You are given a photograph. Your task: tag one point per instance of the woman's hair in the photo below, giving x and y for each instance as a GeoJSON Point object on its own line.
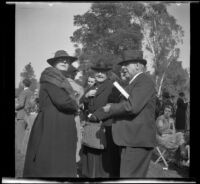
{"type": "Point", "coordinates": [168, 107]}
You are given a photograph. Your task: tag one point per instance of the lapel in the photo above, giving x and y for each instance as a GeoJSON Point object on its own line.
{"type": "Point", "coordinates": [101, 88]}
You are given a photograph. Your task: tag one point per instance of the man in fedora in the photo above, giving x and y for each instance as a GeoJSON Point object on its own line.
{"type": "Point", "coordinates": [100, 163]}
{"type": "Point", "coordinates": [134, 130]}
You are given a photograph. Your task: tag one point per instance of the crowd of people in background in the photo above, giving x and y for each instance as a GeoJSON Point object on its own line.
{"type": "Point", "coordinates": [173, 124]}
{"type": "Point", "coordinates": [50, 121]}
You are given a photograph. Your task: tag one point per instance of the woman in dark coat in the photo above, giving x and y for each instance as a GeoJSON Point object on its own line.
{"type": "Point", "coordinates": [100, 163]}
{"type": "Point", "coordinates": [51, 149]}
{"type": "Point", "coordinates": [181, 113]}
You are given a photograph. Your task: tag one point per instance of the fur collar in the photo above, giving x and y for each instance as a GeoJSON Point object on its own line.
{"type": "Point", "coordinates": [54, 76]}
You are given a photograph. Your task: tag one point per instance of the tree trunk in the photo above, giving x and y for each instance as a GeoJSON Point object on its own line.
{"type": "Point", "coordinates": [157, 81]}
{"type": "Point", "coordinates": [161, 82]}
{"type": "Point", "coordinates": [162, 79]}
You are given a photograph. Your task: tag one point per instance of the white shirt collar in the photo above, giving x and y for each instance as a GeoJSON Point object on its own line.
{"type": "Point", "coordinates": [25, 88]}
{"type": "Point", "coordinates": [134, 77]}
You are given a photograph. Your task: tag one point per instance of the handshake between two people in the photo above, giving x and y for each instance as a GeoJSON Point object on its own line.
{"type": "Point", "coordinates": [93, 118]}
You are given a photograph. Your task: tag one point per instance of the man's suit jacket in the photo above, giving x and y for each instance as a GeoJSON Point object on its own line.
{"type": "Point", "coordinates": [23, 103]}
{"type": "Point", "coordinates": [135, 117]}
{"type": "Point", "coordinates": [103, 96]}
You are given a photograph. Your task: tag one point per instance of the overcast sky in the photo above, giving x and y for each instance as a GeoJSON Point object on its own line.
{"type": "Point", "coordinates": [42, 29]}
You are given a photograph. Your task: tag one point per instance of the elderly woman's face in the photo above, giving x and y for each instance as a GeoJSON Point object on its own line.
{"type": "Point", "coordinates": [100, 76]}
{"type": "Point", "coordinates": [62, 65]}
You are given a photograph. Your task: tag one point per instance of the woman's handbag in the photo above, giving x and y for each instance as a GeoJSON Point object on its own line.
{"type": "Point", "coordinates": [94, 135]}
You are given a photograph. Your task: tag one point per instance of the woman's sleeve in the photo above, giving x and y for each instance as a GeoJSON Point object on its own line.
{"type": "Point", "coordinates": [61, 99]}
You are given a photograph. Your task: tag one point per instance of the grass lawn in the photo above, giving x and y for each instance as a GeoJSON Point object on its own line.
{"type": "Point", "coordinates": [155, 171]}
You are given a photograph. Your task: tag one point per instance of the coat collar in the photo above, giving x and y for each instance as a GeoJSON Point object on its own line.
{"type": "Point", "coordinates": [130, 85]}
{"type": "Point", "coordinates": [134, 77]}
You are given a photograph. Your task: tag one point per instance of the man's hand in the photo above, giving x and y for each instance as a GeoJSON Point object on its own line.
{"type": "Point", "coordinates": [92, 92]}
{"type": "Point", "coordinates": [107, 108]}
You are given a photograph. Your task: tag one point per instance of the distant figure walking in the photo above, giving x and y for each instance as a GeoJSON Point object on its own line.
{"type": "Point", "coordinates": [181, 112]}
{"type": "Point", "coordinates": [21, 108]}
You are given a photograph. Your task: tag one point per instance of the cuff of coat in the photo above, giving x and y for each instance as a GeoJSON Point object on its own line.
{"type": "Point", "coordinates": [117, 108]}
{"type": "Point", "coordinates": [101, 115]}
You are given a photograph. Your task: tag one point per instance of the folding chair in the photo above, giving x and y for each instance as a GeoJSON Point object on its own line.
{"type": "Point", "coordinates": [161, 157]}
{"type": "Point", "coordinates": [162, 154]}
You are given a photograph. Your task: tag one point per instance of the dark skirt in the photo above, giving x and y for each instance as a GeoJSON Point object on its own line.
{"type": "Point", "coordinates": [101, 163]}
{"type": "Point", "coordinates": [180, 120]}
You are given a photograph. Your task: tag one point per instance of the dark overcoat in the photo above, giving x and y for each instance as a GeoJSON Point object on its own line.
{"type": "Point", "coordinates": [181, 115]}
{"type": "Point", "coordinates": [135, 117]}
{"type": "Point", "coordinates": [52, 145]}
{"type": "Point", "coordinates": [134, 130]}
{"type": "Point", "coordinates": [104, 160]}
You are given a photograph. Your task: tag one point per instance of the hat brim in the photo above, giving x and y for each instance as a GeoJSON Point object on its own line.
{"type": "Point", "coordinates": [52, 61]}
{"type": "Point", "coordinates": [126, 62]}
{"type": "Point", "coordinates": [100, 69]}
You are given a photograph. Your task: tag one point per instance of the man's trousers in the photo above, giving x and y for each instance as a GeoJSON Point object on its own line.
{"type": "Point", "coordinates": [135, 162]}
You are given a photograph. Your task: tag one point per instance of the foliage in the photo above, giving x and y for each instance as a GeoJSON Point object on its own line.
{"type": "Point", "coordinates": [27, 73]}
{"type": "Point", "coordinates": [161, 33]}
{"type": "Point", "coordinates": [177, 79]}
{"type": "Point", "coordinates": [105, 29]}
{"type": "Point", "coordinates": [111, 28]}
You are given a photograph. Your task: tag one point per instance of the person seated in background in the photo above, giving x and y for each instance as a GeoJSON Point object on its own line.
{"type": "Point", "coordinates": [166, 133]}
{"type": "Point", "coordinates": [165, 101]}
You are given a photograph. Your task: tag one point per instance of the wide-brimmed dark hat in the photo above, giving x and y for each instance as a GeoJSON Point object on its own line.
{"type": "Point", "coordinates": [101, 66]}
{"type": "Point", "coordinates": [133, 56]}
{"type": "Point", "coordinates": [61, 55]}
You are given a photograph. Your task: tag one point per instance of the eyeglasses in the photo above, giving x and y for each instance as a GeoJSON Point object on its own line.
{"type": "Point", "coordinates": [62, 61]}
